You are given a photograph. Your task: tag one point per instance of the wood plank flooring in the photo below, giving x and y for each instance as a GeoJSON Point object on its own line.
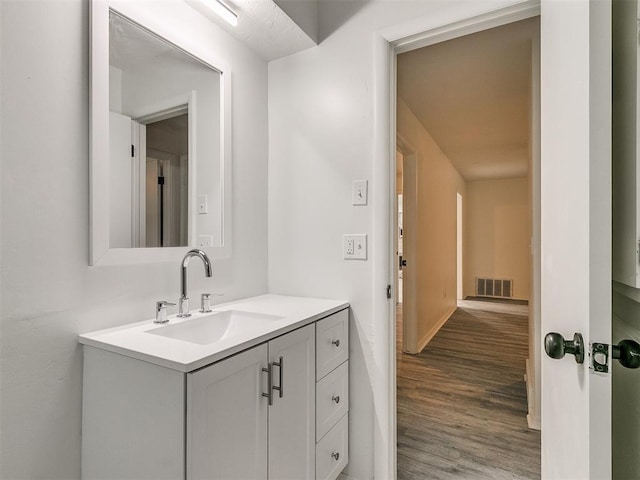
{"type": "Point", "coordinates": [462, 402]}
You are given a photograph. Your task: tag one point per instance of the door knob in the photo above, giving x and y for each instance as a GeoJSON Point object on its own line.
{"type": "Point", "coordinates": [557, 347]}
{"type": "Point", "coordinates": [627, 352]}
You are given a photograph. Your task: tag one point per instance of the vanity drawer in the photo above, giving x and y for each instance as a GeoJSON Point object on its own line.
{"type": "Point", "coordinates": [332, 452]}
{"type": "Point", "coordinates": [332, 399]}
{"type": "Point", "coordinates": [332, 342]}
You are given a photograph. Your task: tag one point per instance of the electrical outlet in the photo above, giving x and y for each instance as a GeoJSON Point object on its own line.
{"type": "Point", "coordinates": [355, 247]}
{"type": "Point", "coordinates": [348, 249]}
{"type": "Point", "coordinates": [205, 240]}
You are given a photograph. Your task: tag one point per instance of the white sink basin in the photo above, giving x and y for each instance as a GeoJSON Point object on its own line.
{"type": "Point", "coordinates": [215, 326]}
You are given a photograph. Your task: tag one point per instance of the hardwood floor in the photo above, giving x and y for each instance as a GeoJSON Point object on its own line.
{"type": "Point", "coordinates": [462, 402]}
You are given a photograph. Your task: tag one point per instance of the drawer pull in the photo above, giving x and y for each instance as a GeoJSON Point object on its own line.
{"type": "Point", "coordinates": [336, 455]}
{"type": "Point", "coordinates": [335, 342]}
{"type": "Point", "coordinates": [269, 372]}
{"type": "Point", "coordinates": [336, 398]}
{"type": "Point", "coordinates": [280, 365]}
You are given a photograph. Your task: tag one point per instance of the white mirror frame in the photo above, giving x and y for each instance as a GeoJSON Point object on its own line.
{"type": "Point", "coordinates": [99, 251]}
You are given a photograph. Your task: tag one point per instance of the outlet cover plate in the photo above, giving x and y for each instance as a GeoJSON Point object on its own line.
{"type": "Point", "coordinates": [354, 246]}
{"type": "Point", "coordinates": [205, 240]}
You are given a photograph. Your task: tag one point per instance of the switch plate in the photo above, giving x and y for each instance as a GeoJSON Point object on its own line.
{"type": "Point", "coordinates": [359, 192]}
{"type": "Point", "coordinates": [355, 246]}
{"type": "Point", "coordinates": [205, 240]}
{"type": "Point", "coordinates": [202, 205]}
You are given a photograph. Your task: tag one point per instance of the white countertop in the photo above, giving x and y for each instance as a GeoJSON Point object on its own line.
{"type": "Point", "coordinates": [133, 340]}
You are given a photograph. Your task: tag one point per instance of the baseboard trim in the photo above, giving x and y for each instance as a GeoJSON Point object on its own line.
{"type": "Point", "coordinates": [435, 329]}
{"type": "Point", "coordinates": [533, 418]}
{"type": "Point", "coordinates": [533, 423]}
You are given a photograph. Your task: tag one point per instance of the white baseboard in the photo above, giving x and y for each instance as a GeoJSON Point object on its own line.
{"type": "Point", "coordinates": [533, 417]}
{"type": "Point", "coordinates": [432, 333]}
{"type": "Point", "coordinates": [533, 423]}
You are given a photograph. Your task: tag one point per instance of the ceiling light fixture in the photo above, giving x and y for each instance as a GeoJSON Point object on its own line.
{"type": "Point", "coordinates": [223, 11]}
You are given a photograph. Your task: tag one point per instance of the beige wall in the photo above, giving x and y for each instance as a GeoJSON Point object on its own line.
{"type": "Point", "coordinates": [433, 259]}
{"type": "Point", "coordinates": [497, 232]}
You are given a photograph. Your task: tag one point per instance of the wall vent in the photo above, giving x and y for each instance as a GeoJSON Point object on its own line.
{"type": "Point", "coordinates": [494, 287]}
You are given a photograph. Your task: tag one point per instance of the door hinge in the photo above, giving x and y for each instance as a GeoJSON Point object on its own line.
{"type": "Point", "coordinates": [388, 291]}
{"type": "Point", "coordinates": [133, 151]}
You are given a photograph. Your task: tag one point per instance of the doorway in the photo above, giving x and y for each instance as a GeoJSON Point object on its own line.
{"type": "Point", "coordinates": [474, 195]}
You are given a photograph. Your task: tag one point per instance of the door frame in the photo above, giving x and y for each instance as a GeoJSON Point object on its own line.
{"type": "Point", "coordinates": [396, 41]}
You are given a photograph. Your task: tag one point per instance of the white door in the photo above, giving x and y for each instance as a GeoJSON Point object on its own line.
{"type": "Point", "coordinates": [409, 254]}
{"type": "Point", "coordinates": [120, 170]}
{"type": "Point", "coordinates": [576, 229]}
{"type": "Point", "coordinates": [292, 414]}
{"type": "Point", "coordinates": [227, 419]}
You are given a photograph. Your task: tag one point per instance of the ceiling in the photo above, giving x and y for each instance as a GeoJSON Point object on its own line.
{"type": "Point", "coordinates": [264, 26]}
{"type": "Point", "coordinates": [472, 94]}
{"type": "Point", "coordinates": [132, 47]}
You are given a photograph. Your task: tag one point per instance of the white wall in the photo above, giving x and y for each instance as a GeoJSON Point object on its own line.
{"type": "Point", "coordinates": [626, 388]}
{"type": "Point", "coordinates": [497, 234]}
{"type": "Point", "coordinates": [328, 111]}
{"type": "Point", "coordinates": [49, 292]}
{"type": "Point", "coordinates": [435, 253]}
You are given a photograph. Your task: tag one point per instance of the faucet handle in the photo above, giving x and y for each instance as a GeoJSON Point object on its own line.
{"type": "Point", "coordinates": [205, 303]}
{"type": "Point", "coordinates": [161, 311]}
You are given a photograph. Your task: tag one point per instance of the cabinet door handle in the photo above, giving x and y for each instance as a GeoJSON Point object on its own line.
{"type": "Point", "coordinates": [336, 398]}
{"type": "Point", "coordinates": [280, 387]}
{"type": "Point", "coordinates": [269, 372]}
{"type": "Point", "coordinates": [335, 342]}
{"type": "Point", "coordinates": [336, 455]}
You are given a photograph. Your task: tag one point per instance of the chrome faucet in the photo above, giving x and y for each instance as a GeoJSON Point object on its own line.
{"type": "Point", "coordinates": [183, 302]}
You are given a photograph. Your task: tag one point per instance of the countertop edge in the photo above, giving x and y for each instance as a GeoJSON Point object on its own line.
{"type": "Point", "coordinates": [217, 356]}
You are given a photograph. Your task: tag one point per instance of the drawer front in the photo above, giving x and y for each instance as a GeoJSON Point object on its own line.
{"type": "Point", "coordinates": [332, 399]}
{"type": "Point", "coordinates": [332, 452]}
{"type": "Point", "coordinates": [332, 342]}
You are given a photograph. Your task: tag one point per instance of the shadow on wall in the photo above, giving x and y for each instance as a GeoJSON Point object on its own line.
{"type": "Point", "coordinates": [361, 409]}
{"type": "Point", "coordinates": [332, 14]}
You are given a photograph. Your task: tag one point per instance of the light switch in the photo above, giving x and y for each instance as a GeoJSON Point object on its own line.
{"type": "Point", "coordinates": [202, 204]}
{"type": "Point", "coordinates": [359, 192]}
{"type": "Point", "coordinates": [355, 246]}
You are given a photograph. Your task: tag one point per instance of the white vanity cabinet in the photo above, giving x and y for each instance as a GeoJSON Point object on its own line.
{"type": "Point", "coordinates": [227, 418]}
{"type": "Point", "coordinates": [230, 422]}
{"type": "Point", "coordinates": [144, 418]}
{"type": "Point", "coordinates": [332, 395]}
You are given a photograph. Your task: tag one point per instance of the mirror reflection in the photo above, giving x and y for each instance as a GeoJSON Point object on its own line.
{"type": "Point", "coordinates": [164, 139]}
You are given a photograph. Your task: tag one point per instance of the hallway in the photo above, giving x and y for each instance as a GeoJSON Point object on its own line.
{"type": "Point", "coordinates": [462, 402]}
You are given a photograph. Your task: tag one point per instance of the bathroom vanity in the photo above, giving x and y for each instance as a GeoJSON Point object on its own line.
{"type": "Point", "coordinates": [255, 389]}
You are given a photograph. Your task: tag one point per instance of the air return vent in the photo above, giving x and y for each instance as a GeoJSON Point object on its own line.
{"type": "Point", "coordinates": [494, 287]}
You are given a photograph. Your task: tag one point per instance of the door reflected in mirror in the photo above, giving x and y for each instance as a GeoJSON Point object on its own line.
{"type": "Point", "coordinates": [164, 143]}
{"type": "Point", "coordinates": [167, 182]}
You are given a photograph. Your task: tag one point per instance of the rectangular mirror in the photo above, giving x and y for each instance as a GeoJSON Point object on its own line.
{"type": "Point", "coordinates": [160, 141]}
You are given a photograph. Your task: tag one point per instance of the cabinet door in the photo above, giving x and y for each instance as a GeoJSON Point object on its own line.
{"type": "Point", "coordinates": [292, 415]}
{"type": "Point", "coordinates": [227, 418]}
